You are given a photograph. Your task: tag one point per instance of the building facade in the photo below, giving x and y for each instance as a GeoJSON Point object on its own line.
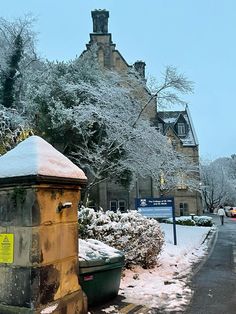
{"type": "Point", "coordinates": [178, 127]}
{"type": "Point", "coordinates": [110, 195]}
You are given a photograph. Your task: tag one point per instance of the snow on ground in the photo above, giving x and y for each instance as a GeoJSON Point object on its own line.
{"type": "Point", "coordinates": [166, 286]}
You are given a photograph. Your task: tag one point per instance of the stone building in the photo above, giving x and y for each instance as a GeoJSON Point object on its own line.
{"type": "Point", "coordinates": [178, 127]}
{"type": "Point", "coordinates": [110, 195]}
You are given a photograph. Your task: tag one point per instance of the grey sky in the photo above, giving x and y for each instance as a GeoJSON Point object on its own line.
{"type": "Point", "coordinates": [196, 36]}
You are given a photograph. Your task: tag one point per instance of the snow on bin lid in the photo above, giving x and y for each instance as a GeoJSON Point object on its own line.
{"type": "Point", "coordinates": [93, 253]}
{"type": "Point", "coordinates": [35, 156]}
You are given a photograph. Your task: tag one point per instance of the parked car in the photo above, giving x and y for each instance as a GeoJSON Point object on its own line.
{"type": "Point", "coordinates": [227, 211]}
{"type": "Point", "coordinates": [233, 212]}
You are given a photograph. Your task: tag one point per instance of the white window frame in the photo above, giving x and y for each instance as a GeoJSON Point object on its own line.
{"type": "Point", "coordinates": [184, 207]}
{"type": "Point", "coordinates": [181, 128]}
{"type": "Point", "coordinates": [124, 205]}
{"type": "Point", "coordinates": [111, 206]}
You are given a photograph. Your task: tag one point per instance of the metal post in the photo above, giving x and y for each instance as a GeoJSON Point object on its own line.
{"type": "Point", "coordinates": [174, 224]}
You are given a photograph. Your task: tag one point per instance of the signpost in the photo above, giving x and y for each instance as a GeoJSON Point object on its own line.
{"type": "Point", "coordinates": [162, 207]}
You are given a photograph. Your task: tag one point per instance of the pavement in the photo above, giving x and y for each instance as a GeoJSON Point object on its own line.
{"type": "Point", "coordinates": [209, 279]}
{"type": "Point", "coordinates": [117, 305]}
{"type": "Point", "coordinates": [214, 284]}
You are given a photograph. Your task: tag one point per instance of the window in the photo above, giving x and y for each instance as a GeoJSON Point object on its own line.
{"type": "Point", "coordinates": [118, 205]}
{"type": "Point", "coordinates": [121, 205]}
{"type": "Point", "coordinates": [181, 129]}
{"type": "Point", "coordinates": [183, 209]}
{"type": "Point", "coordinates": [113, 206]}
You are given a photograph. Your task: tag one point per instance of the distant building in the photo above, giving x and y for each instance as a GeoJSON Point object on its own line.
{"type": "Point", "coordinates": [178, 127]}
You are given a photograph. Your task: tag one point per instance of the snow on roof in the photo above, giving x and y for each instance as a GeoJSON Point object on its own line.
{"type": "Point", "coordinates": [169, 120]}
{"type": "Point", "coordinates": [35, 156]}
{"type": "Point", "coordinates": [171, 117]}
{"type": "Point", "coordinates": [192, 126]}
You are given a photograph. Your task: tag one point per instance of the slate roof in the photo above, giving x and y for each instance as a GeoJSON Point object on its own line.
{"type": "Point", "coordinates": [170, 118]}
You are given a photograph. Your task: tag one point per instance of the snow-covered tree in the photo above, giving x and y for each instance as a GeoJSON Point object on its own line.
{"type": "Point", "coordinates": [16, 55]}
{"type": "Point", "coordinates": [170, 88]}
{"type": "Point", "coordinates": [17, 60]}
{"type": "Point", "coordinates": [218, 182]}
{"type": "Point", "coordinates": [93, 116]}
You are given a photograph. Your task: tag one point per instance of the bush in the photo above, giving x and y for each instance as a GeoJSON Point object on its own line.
{"type": "Point", "coordinates": [203, 221]}
{"type": "Point", "coordinates": [183, 220]}
{"type": "Point", "coordinates": [139, 238]}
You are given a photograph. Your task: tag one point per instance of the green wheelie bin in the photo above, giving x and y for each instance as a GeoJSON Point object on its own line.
{"type": "Point", "coordinates": [100, 269]}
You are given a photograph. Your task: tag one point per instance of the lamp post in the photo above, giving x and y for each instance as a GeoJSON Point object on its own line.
{"type": "Point", "coordinates": [203, 189]}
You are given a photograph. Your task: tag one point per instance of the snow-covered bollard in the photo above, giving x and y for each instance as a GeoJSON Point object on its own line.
{"type": "Point", "coordinates": [39, 193]}
{"type": "Point", "coordinates": [192, 216]}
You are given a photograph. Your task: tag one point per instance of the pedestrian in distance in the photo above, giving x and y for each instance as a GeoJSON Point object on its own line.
{"type": "Point", "coordinates": [221, 214]}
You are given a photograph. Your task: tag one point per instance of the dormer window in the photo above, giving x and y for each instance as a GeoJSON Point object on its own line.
{"type": "Point", "coordinates": [181, 129]}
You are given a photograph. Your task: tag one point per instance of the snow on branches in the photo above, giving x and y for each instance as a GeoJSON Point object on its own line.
{"type": "Point", "coordinates": [93, 116]}
{"type": "Point", "coordinates": [218, 182]}
{"type": "Point", "coordinates": [11, 128]}
{"type": "Point", "coordinates": [16, 55]}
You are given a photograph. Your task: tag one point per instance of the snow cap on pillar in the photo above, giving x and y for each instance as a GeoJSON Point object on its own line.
{"type": "Point", "coordinates": [36, 158]}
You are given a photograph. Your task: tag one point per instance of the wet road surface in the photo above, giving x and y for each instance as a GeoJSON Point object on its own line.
{"type": "Point", "coordinates": [214, 284]}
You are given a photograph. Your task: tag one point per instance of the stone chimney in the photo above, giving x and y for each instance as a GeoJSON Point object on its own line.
{"type": "Point", "coordinates": [140, 68]}
{"type": "Point", "coordinates": [100, 21]}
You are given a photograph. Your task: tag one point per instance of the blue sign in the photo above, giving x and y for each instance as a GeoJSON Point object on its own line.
{"type": "Point", "coordinates": [162, 207]}
{"type": "Point", "coordinates": [155, 207]}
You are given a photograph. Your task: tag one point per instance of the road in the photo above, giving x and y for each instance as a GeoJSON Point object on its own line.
{"type": "Point", "coordinates": [214, 284]}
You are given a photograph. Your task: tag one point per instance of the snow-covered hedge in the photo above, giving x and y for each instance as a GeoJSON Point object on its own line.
{"type": "Point", "coordinates": [204, 221]}
{"type": "Point", "coordinates": [183, 220]}
{"type": "Point", "coordinates": [139, 238]}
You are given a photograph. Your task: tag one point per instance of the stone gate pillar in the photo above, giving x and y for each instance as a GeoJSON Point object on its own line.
{"type": "Point", "coordinates": [39, 193]}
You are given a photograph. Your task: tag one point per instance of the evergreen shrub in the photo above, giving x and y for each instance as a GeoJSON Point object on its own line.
{"type": "Point", "coordinates": [138, 237]}
{"type": "Point", "coordinates": [203, 221]}
{"type": "Point", "coordinates": [183, 220]}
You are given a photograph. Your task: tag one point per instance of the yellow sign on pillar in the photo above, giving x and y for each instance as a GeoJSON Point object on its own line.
{"type": "Point", "coordinates": [6, 247]}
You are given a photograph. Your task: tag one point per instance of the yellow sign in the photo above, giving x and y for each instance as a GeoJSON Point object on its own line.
{"type": "Point", "coordinates": [6, 247]}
